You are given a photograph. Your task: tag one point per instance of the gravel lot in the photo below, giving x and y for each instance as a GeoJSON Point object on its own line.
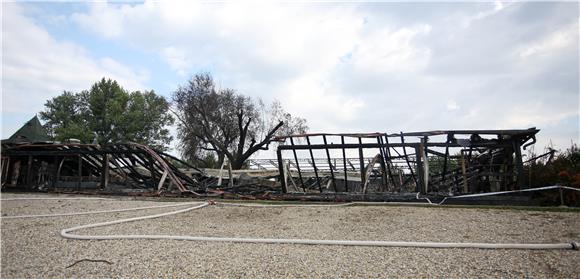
{"type": "Point", "coordinates": [32, 247]}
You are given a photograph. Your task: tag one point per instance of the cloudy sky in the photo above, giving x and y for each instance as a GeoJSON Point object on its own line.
{"type": "Point", "coordinates": [345, 67]}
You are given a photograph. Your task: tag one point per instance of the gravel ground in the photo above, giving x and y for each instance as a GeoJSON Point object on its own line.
{"type": "Point", "coordinates": [32, 248]}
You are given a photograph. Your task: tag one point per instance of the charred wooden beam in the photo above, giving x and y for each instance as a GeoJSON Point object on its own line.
{"type": "Point", "coordinates": [344, 164]}
{"type": "Point", "coordinates": [297, 166]}
{"type": "Point", "coordinates": [361, 160]}
{"type": "Point", "coordinates": [330, 164]}
{"type": "Point", "coordinates": [313, 164]}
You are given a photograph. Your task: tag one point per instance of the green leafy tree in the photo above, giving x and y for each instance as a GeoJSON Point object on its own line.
{"type": "Point", "coordinates": [108, 113]}
{"type": "Point", "coordinates": [64, 119]}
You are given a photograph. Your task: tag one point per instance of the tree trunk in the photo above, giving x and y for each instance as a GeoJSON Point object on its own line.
{"type": "Point", "coordinates": [237, 164]}
{"type": "Point", "coordinates": [221, 158]}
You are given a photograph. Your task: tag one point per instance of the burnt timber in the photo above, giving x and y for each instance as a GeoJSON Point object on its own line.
{"type": "Point", "coordinates": [433, 162]}
{"type": "Point", "coordinates": [119, 167]}
{"type": "Point", "coordinates": [371, 166]}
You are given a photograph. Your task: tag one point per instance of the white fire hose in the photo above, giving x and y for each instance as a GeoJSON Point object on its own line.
{"type": "Point", "coordinates": [498, 193]}
{"type": "Point", "coordinates": [67, 233]}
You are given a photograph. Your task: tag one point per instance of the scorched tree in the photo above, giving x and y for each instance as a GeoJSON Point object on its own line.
{"type": "Point", "coordinates": [214, 124]}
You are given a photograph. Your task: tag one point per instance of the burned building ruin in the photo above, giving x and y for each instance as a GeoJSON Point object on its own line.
{"type": "Point", "coordinates": [438, 162]}
{"type": "Point", "coordinates": [31, 162]}
{"type": "Point", "coordinates": [442, 163]}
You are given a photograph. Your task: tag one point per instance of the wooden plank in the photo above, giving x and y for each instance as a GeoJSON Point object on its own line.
{"type": "Point", "coordinates": [329, 164]}
{"type": "Point", "coordinates": [313, 165]}
{"type": "Point", "coordinates": [361, 161]}
{"type": "Point", "coordinates": [384, 145]}
{"type": "Point", "coordinates": [162, 180]}
{"type": "Point", "coordinates": [344, 165]}
{"type": "Point", "coordinates": [407, 159]}
{"type": "Point", "coordinates": [419, 182]}
{"type": "Point", "coordinates": [464, 173]}
{"type": "Point", "coordinates": [281, 171]}
{"type": "Point", "coordinates": [298, 166]}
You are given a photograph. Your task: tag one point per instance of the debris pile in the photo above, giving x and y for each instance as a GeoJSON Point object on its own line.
{"type": "Point", "coordinates": [443, 163]}
{"type": "Point", "coordinates": [438, 162]}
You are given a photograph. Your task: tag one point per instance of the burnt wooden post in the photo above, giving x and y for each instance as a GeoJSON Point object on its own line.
{"type": "Point", "coordinates": [386, 169]}
{"type": "Point", "coordinates": [507, 169]}
{"type": "Point", "coordinates": [425, 158]}
{"type": "Point", "coordinates": [387, 158]}
{"type": "Point", "coordinates": [314, 164]}
{"type": "Point", "coordinates": [80, 170]}
{"type": "Point", "coordinates": [490, 187]}
{"type": "Point", "coordinates": [362, 162]}
{"type": "Point", "coordinates": [519, 165]}
{"type": "Point", "coordinates": [420, 172]}
{"type": "Point", "coordinates": [281, 170]}
{"type": "Point", "coordinates": [444, 172]}
{"type": "Point", "coordinates": [471, 172]}
{"type": "Point", "coordinates": [29, 173]}
{"type": "Point", "coordinates": [344, 164]}
{"type": "Point", "coordinates": [464, 173]}
{"type": "Point", "coordinates": [384, 178]}
{"type": "Point", "coordinates": [329, 163]}
{"type": "Point", "coordinates": [408, 163]}
{"type": "Point", "coordinates": [297, 165]}
{"type": "Point", "coordinates": [105, 171]}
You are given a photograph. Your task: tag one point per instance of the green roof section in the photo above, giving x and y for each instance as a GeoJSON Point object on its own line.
{"type": "Point", "coordinates": [32, 131]}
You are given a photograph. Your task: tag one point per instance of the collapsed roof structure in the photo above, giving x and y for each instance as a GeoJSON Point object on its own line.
{"type": "Point", "coordinates": [30, 161]}
{"type": "Point", "coordinates": [443, 162]}
{"type": "Point", "coordinates": [434, 162]}
{"type": "Point", "coordinates": [117, 167]}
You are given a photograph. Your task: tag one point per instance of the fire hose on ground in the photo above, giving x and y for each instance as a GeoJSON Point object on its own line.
{"type": "Point", "coordinates": [68, 233]}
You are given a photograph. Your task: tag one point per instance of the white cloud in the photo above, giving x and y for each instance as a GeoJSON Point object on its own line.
{"type": "Point", "coordinates": [292, 48]}
{"type": "Point", "coordinates": [498, 6]}
{"type": "Point", "coordinates": [370, 66]}
{"type": "Point", "coordinates": [527, 115]}
{"type": "Point", "coordinates": [452, 105]}
{"type": "Point", "coordinates": [326, 108]}
{"type": "Point", "coordinates": [176, 58]}
{"type": "Point", "coordinates": [391, 52]}
{"type": "Point", "coordinates": [566, 36]}
{"type": "Point", "coordinates": [109, 23]}
{"type": "Point", "coordinates": [36, 67]}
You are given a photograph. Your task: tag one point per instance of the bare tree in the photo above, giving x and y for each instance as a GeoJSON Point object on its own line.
{"type": "Point", "coordinates": [221, 122]}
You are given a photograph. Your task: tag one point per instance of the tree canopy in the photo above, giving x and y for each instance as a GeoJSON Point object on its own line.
{"type": "Point", "coordinates": [109, 113]}
{"type": "Point", "coordinates": [222, 123]}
